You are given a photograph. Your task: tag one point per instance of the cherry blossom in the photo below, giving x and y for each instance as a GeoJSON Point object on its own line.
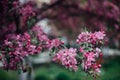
{"type": "Point", "coordinates": [66, 57]}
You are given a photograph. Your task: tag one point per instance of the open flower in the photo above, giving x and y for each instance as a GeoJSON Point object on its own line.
{"type": "Point", "coordinates": [67, 58]}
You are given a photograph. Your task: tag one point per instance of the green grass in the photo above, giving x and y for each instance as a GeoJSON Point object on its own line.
{"type": "Point", "coordinates": [110, 71]}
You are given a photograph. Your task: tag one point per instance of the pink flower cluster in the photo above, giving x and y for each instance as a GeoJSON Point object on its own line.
{"type": "Point", "coordinates": [27, 12]}
{"type": "Point", "coordinates": [90, 37]}
{"type": "Point", "coordinates": [90, 50]}
{"type": "Point", "coordinates": [17, 47]}
{"type": "Point", "coordinates": [41, 36]}
{"type": "Point", "coordinates": [14, 50]}
{"type": "Point", "coordinates": [96, 67]}
{"type": "Point", "coordinates": [54, 43]}
{"type": "Point", "coordinates": [89, 62]}
{"type": "Point", "coordinates": [67, 57]}
{"type": "Point", "coordinates": [39, 33]}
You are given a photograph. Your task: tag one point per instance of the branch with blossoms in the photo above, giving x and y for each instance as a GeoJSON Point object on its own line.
{"type": "Point", "coordinates": [17, 48]}
{"type": "Point", "coordinates": [21, 38]}
{"type": "Point", "coordinates": [86, 55]}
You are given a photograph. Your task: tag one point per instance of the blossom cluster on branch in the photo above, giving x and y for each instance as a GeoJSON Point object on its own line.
{"type": "Point", "coordinates": [16, 48]}
{"type": "Point", "coordinates": [90, 49]}
{"type": "Point", "coordinates": [86, 54]}
{"type": "Point", "coordinates": [67, 57]}
{"type": "Point", "coordinates": [20, 37]}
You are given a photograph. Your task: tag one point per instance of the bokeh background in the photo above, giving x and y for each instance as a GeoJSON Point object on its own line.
{"type": "Point", "coordinates": [67, 18]}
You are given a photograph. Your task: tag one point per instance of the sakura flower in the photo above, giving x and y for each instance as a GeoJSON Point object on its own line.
{"type": "Point", "coordinates": [89, 56]}
{"type": "Point", "coordinates": [27, 12]}
{"type": "Point", "coordinates": [53, 43]}
{"type": "Point", "coordinates": [98, 50]}
{"type": "Point", "coordinates": [81, 49]}
{"type": "Point", "coordinates": [66, 57]}
{"type": "Point", "coordinates": [96, 67]}
{"type": "Point", "coordinates": [90, 37]}
{"type": "Point", "coordinates": [84, 37]}
{"type": "Point", "coordinates": [39, 33]}
{"type": "Point", "coordinates": [99, 35]}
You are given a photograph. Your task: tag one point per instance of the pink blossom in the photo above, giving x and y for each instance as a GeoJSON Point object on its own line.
{"type": "Point", "coordinates": [67, 58]}
{"type": "Point", "coordinates": [86, 64]}
{"type": "Point", "coordinates": [17, 48]}
{"type": "Point", "coordinates": [90, 37]}
{"type": "Point", "coordinates": [98, 50]}
{"type": "Point", "coordinates": [42, 37]}
{"type": "Point", "coordinates": [26, 38]}
{"type": "Point", "coordinates": [27, 12]}
{"type": "Point", "coordinates": [39, 33]}
{"type": "Point", "coordinates": [81, 49]}
{"type": "Point", "coordinates": [96, 67]}
{"type": "Point", "coordinates": [7, 42]}
{"type": "Point", "coordinates": [89, 56]}
{"type": "Point", "coordinates": [53, 43]}
{"type": "Point", "coordinates": [38, 49]}
{"type": "Point", "coordinates": [89, 63]}
{"type": "Point", "coordinates": [84, 37]}
{"type": "Point", "coordinates": [99, 35]}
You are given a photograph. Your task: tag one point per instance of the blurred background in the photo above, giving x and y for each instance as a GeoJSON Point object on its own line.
{"type": "Point", "coordinates": [67, 18]}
